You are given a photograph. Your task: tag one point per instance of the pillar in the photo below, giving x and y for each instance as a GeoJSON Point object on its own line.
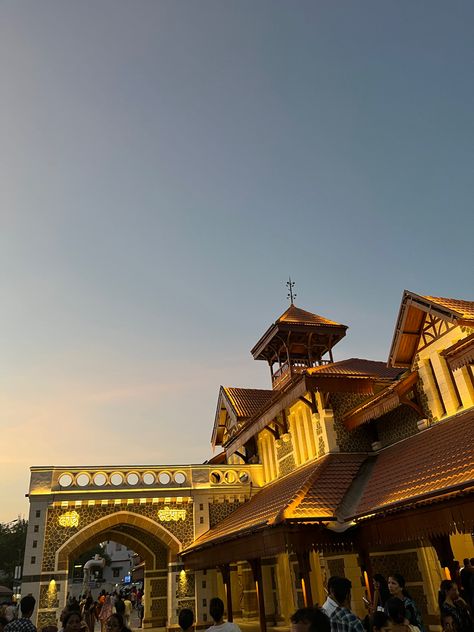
{"type": "Point", "coordinates": [256, 566]}
{"type": "Point", "coordinates": [173, 569]}
{"type": "Point", "coordinates": [225, 571]}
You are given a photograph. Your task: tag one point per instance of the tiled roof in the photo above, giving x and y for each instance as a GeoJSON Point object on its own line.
{"type": "Point", "coordinates": [356, 367]}
{"type": "Point", "coordinates": [464, 308]}
{"type": "Point", "coordinates": [314, 490]}
{"type": "Point", "coordinates": [295, 315]}
{"type": "Point", "coordinates": [384, 401]}
{"type": "Point", "coordinates": [247, 401]}
{"type": "Point", "coordinates": [429, 463]}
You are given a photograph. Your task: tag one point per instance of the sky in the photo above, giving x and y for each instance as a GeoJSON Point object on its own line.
{"type": "Point", "coordinates": [166, 165]}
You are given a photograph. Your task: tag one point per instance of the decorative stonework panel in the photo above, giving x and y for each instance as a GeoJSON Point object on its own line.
{"type": "Point", "coordinates": [336, 567]}
{"type": "Point", "coordinates": [219, 511]}
{"type": "Point", "coordinates": [46, 618]}
{"type": "Point", "coordinates": [48, 598]}
{"type": "Point", "coordinates": [422, 397]}
{"type": "Point", "coordinates": [397, 424]}
{"type": "Point", "coordinates": [185, 585]}
{"type": "Point", "coordinates": [56, 535]}
{"type": "Point", "coordinates": [287, 465]}
{"type": "Point", "coordinates": [356, 440]}
{"type": "Point", "coordinates": [404, 563]}
{"type": "Point", "coordinates": [283, 448]}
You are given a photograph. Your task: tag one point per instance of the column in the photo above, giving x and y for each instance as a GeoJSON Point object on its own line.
{"type": "Point", "coordinates": [225, 571]}
{"type": "Point", "coordinates": [256, 566]}
{"type": "Point", "coordinates": [173, 570]}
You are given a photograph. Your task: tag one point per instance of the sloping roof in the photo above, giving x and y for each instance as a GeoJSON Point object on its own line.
{"type": "Point", "coordinates": [246, 402]}
{"type": "Point", "coordinates": [383, 402]}
{"type": "Point", "coordinates": [465, 309]}
{"type": "Point", "coordinates": [428, 464]}
{"type": "Point", "coordinates": [239, 404]}
{"type": "Point", "coordinates": [295, 315]}
{"type": "Point", "coordinates": [299, 322]}
{"type": "Point", "coordinates": [413, 311]}
{"type": "Point", "coordinates": [311, 492]}
{"type": "Point", "coordinates": [356, 367]}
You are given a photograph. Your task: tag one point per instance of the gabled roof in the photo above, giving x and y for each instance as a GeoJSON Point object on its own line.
{"type": "Point", "coordinates": [463, 309]}
{"type": "Point", "coordinates": [427, 465]}
{"type": "Point", "coordinates": [356, 367]}
{"type": "Point", "coordinates": [312, 492]}
{"type": "Point", "coordinates": [295, 315]}
{"type": "Point", "coordinates": [245, 402]}
{"type": "Point", "coordinates": [413, 311]}
{"type": "Point", "coordinates": [240, 404]}
{"type": "Point", "coordinates": [301, 323]}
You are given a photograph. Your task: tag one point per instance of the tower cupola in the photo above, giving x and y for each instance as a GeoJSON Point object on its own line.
{"type": "Point", "coordinates": [296, 341]}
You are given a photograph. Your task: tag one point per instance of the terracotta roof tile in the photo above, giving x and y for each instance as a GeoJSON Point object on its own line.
{"type": "Point", "coordinates": [247, 401]}
{"type": "Point", "coordinates": [464, 308]}
{"type": "Point", "coordinates": [356, 367]}
{"type": "Point", "coordinates": [295, 315]}
{"type": "Point", "coordinates": [314, 490]}
{"type": "Point", "coordinates": [422, 465]}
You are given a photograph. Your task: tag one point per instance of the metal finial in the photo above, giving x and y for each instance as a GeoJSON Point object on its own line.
{"type": "Point", "coordinates": [291, 295]}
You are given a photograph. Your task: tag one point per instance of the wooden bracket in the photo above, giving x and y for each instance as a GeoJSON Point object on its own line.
{"type": "Point", "coordinates": [242, 456]}
{"type": "Point", "coordinates": [274, 432]}
{"type": "Point", "coordinates": [311, 404]}
{"type": "Point", "coordinates": [409, 402]}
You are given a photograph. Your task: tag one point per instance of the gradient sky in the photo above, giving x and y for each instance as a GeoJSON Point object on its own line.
{"type": "Point", "coordinates": [165, 165]}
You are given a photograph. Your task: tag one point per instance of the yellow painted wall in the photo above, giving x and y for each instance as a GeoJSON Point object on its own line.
{"type": "Point", "coordinates": [462, 545]}
{"type": "Point", "coordinates": [443, 376]}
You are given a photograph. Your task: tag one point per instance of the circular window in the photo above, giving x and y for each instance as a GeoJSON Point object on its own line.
{"type": "Point", "coordinates": [132, 478]}
{"type": "Point", "coordinates": [230, 477]}
{"type": "Point", "coordinates": [83, 479]}
{"type": "Point", "coordinates": [164, 478]}
{"type": "Point", "coordinates": [65, 480]}
{"type": "Point", "coordinates": [100, 479]}
{"type": "Point", "coordinates": [179, 478]}
{"type": "Point", "coordinates": [244, 477]}
{"type": "Point", "coordinates": [116, 479]}
{"type": "Point", "coordinates": [149, 478]}
{"type": "Point", "coordinates": [215, 478]}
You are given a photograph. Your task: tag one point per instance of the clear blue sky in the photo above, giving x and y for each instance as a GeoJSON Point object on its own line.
{"type": "Point", "coordinates": [166, 165]}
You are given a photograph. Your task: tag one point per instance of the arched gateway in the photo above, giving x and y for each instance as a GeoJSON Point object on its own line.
{"type": "Point", "coordinates": [155, 511]}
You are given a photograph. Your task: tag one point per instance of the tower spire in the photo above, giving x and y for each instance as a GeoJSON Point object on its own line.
{"type": "Point", "coordinates": [291, 295]}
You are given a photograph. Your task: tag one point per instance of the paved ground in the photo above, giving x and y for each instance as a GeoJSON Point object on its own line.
{"type": "Point", "coordinates": [245, 627]}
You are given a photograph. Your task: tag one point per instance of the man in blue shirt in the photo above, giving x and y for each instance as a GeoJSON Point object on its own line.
{"type": "Point", "coordinates": [342, 619]}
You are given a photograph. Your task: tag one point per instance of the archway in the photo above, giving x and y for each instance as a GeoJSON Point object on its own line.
{"type": "Point", "coordinates": [157, 547]}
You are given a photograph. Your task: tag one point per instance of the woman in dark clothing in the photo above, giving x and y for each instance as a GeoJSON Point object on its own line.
{"type": "Point", "coordinates": [381, 592]}
{"type": "Point", "coordinates": [396, 586]}
{"type": "Point", "coordinates": [451, 605]}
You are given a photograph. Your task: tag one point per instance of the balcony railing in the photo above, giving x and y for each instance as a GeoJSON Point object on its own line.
{"type": "Point", "coordinates": [283, 374]}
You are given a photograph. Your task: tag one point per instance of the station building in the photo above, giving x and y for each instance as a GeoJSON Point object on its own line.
{"type": "Point", "coordinates": [343, 467]}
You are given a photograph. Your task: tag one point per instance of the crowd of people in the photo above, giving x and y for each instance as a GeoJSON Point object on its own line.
{"type": "Point", "coordinates": [111, 610]}
{"type": "Point", "coordinates": [391, 609]}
